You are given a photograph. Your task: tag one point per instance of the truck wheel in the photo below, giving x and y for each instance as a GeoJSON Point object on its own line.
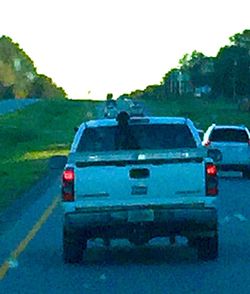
{"type": "Point", "coordinates": [73, 247]}
{"type": "Point", "coordinates": [208, 248]}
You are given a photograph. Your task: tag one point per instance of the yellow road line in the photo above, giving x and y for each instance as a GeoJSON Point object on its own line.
{"type": "Point", "coordinates": [23, 244]}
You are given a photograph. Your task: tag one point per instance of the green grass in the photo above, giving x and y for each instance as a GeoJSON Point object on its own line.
{"type": "Point", "coordinates": [202, 111]}
{"type": "Point", "coordinates": [31, 136]}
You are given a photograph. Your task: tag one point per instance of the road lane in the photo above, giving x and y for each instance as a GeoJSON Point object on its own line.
{"type": "Point", "coordinates": [12, 259]}
{"type": "Point", "coordinates": [123, 268]}
{"type": "Point", "coordinates": [11, 235]}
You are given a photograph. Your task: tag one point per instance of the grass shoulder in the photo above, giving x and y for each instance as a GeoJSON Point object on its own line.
{"type": "Point", "coordinates": [202, 111]}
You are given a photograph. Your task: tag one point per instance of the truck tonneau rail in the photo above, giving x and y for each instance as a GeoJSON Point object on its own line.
{"type": "Point", "coordinates": [80, 164]}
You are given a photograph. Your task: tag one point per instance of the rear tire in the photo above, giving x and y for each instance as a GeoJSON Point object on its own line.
{"type": "Point", "coordinates": [207, 248]}
{"type": "Point", "coordinates": [73, 247]}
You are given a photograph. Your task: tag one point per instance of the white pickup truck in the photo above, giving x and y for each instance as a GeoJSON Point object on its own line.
{"type": "Point", "coordinates": [139, 178]}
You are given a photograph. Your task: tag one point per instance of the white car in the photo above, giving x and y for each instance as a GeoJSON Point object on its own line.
{"type": "Point", "coordinates": [234, 143]}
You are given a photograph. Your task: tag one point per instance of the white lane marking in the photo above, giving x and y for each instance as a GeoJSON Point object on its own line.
{"type": "Point", "coordinates": [240, 217]}
{"type": "Point", "coordinates": [236, 216]}
{"type": "Point", "coordinates": [13, 263]}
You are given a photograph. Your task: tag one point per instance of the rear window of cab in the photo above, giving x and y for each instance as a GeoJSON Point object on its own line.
{"type": "Point", "coordinates": [229, 135]}
{"type": "Point", "coordinates": [155, 136]}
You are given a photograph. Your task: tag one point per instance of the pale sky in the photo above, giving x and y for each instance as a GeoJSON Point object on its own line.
{"type": "Point", "coordinates": [118, 46]}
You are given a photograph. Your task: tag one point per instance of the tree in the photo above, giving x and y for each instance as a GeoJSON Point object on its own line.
{"type": "Point", "coordinates": [137, 94]}
{"type": "Point", "coordinates": [227, 74]}
{"type": "Point", "coordinates": [231, 77]}
{"type": "Point", "coordinates": [18, 73]}
{"type": "Point", "coordinates": [241, 39]}
{"type": "Point", "coordinates": [6, 92]}
{"type": "Point", "coordinates": [44, 87]}
{"type": "Point", "coordinates": [199, 67]}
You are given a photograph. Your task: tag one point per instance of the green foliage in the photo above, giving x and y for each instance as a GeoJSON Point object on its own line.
{"type": "Point", "coordinates": [18, 75]}
{"type": "Point", "coordinates": [241, 39]}
{"type": "Point", "coordinates": [6, 92]}
{"type": "Point", "coordinates": [203, 112]}
{"type": "Point", "coordinates": [153, 91]}
{"type": "Point", "coordinates": [43, 87]}
{"type": "Point", "coordinates": [232, 76]}
{"type": "Point", "coordinates": [199, 67]}
{"type": "Point", "coordinates": [124, 96]}
{"type": "Point", "coordinates": [137, 94]}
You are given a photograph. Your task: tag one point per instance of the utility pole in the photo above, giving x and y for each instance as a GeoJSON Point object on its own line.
{"type": "Point", "coordinates": [180, 82]}
{"type": "Point", "coordinates": [234, 79]}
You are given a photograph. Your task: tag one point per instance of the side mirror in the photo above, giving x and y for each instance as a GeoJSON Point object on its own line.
{"type": "Point", "coordinates": [215, 154]}
{"type": "Point", "coordinates": [57, 161]}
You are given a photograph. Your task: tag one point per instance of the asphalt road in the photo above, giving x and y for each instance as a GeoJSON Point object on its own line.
{"type": "Point", "coordinates": [36, 265]}
{"type": "Point", "coordinates": [11, 105]}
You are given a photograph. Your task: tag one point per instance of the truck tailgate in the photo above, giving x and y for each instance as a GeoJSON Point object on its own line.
{"type": "Point", "coordinates": [136, 181]}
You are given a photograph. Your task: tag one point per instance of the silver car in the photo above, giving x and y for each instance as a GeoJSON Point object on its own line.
{"type": "Point", "coordinates": [234, 143]}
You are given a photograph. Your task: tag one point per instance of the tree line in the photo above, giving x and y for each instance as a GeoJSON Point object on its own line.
{"type": "Point", "coordinates": [225, 75]}
{"type": "Point", "coordinates": [19, 77]}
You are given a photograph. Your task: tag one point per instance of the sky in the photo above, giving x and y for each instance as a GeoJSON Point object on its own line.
{"type": "Point", "coordinates": [95, 47]}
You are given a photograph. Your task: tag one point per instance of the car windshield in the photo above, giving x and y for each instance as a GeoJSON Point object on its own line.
{"type": "Point", "coordinates": [229, 135]}
{"type": "Point", "coordinates": [157, 136]}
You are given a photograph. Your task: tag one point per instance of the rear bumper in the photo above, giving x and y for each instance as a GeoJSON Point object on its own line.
{"type": "Point", "coordinates": [154, 223]}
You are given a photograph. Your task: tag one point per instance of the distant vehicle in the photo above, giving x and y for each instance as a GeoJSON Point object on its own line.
{"type": "Point", "coordinates": [110, 109]}
{"type": "Point", "coordinates": [136, 109]}
{"type": "Point", "coordinates": [234, 143]}
{"type": "Point", "coordinates": [139, 178]}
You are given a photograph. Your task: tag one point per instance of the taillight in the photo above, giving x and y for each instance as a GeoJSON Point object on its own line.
{"type": "Point", "coordinates": [211, 180]}
{"type": "Point", "coordinates": [211, 169]}
{"type": "Point", "coordinates": [68, 177]}
{"type": "Point", "coordinates": [207, 143]}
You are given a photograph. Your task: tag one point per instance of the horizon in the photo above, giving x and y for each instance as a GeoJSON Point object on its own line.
{"type": "Point", "coordinates": [94, 48]}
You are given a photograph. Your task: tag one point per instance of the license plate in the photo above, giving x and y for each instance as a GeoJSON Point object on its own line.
{"type": "Point", "coordinates": [144, 215]}
{"type": "Point", "coordinates": [139, 190]}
